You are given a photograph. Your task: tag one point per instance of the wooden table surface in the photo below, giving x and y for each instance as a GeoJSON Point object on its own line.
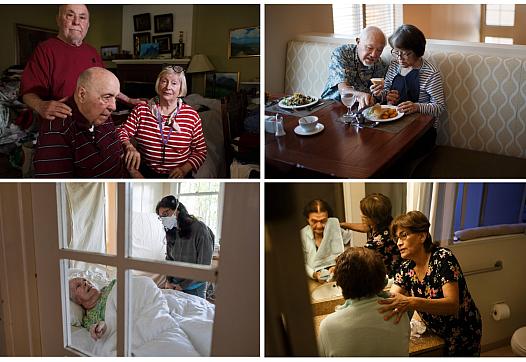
{"type": "Point", "coordinates": [341, 150]}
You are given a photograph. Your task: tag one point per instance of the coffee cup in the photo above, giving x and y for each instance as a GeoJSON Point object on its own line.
{"type": "Point", "coordinates": [377, 81]}
{"type": "Point", "coordinates": [308, 123]}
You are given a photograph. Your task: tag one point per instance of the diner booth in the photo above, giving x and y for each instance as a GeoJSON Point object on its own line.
{"type": "Point", "coordinates": [480, 135]}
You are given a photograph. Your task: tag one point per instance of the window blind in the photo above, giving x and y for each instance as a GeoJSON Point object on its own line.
{"type": "Point", "coordinates": [350, 19]}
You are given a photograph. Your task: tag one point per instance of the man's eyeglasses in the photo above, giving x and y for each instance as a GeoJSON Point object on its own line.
{"type": "Point", "coordinates": [175, 68]}
{"type": "Point", "coordinates": [401, 54]}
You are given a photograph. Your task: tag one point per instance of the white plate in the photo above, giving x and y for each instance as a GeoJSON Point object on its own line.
{"type": "Point", "coordinates": [367, 114]}
{"type": "Point", "coordinates": [282, 105]}
{"type": "Point", "coordinates": [299, 130]}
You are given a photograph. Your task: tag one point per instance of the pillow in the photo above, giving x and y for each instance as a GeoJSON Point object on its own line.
{"type": "Point", "coordinates": [76, 313]}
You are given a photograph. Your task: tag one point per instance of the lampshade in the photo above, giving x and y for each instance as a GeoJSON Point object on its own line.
{"type": "Point", "coordinates": [200, 63]}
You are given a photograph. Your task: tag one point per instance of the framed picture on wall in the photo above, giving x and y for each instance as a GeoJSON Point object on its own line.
{"type": "Point", "coordinates": [138, 39]}
{"type": "Point", "coordinates": [225, 84]}
{"type": "Point", "coordinates": [141, 22]}
{"type": "Point", "coordinates": [108, 52]}
{"type": "Point", "coordinates": [165, 43]}
{"type": "Point", "coordinates": [163, 23]}
{"type": "Point", "coordinates": [244, 42]}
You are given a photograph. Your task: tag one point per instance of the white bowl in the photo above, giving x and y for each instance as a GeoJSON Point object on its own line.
{"type": "Point", "coordinates": [308, 123]}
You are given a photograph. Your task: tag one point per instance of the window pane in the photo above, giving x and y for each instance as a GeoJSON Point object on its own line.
{"type": "Point", "coordinates": [170, 322]}
{"type": "Point", "coordinates": [500, 15]}
{"type": "Point", "coordinates": [495, 40]}
{"type": "Point", "coordinates": [351, 18]}
{"type": "Point", "coordinates": [192, 240]}
{"type": "Point", "coordinates": [88, 216]}
{"type": "Point", "coordinates": [91, 300]}
{"type": "Point", "coordinates": [195, 187]}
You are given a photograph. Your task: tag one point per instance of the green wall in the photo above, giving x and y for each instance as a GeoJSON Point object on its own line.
{"type": "Point", "coordinates": [101, 32]}
{"type": "Point", "coordinates": [211, 30]}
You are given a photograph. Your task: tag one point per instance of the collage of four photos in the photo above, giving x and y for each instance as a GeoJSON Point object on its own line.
{"type": "Point", "coordinates": [263, 180]}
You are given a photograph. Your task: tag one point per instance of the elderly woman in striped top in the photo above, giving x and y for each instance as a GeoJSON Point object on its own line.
{"type": "Point", "coordinates": [412, 82]}
{"type": "Point", "coordinates": [168, 132]}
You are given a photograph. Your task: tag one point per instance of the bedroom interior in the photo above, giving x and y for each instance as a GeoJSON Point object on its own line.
{"type": "Point", "coordinates": [104, 231]}
{"type": "Point", "coordinates": [188, 27]}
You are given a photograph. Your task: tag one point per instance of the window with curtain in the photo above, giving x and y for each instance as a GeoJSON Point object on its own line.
{"type": "Point", "coordinates": [350, 19]}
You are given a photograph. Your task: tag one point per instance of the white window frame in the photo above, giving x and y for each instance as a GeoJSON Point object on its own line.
{"type": "Point", "coordinates": [241, 205]}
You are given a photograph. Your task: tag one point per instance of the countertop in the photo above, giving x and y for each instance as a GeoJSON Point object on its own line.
{"type": "Point", "coordinates": [428, 344]}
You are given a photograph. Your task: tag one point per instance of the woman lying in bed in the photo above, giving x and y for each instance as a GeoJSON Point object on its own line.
{"type": "Point", "coordinates": [85, 294]}
{"type": "Point", "coordinates": [163, 323]}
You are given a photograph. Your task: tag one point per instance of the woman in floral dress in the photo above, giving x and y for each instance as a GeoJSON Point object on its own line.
{"type": "Point", "coordinates": [431, 282]}
{"type": "Point", "coordinates": [376, 219]}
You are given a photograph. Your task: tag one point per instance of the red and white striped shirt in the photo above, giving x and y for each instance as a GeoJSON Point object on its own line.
{"type": "Point", "coordinates": [186, 145]}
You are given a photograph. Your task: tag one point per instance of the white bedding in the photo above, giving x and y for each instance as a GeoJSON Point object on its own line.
{"type": "Point", "coordinates": [165, 323]}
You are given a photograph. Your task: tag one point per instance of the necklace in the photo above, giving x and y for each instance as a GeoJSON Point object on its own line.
{"type": "Point", "coordinates": [171, 118]}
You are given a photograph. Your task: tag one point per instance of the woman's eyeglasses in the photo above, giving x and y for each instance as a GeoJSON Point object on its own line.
{"type": "Point", "coordinates": [175, 68]}
{"type": "Point", "coordinates": [401, 54]}
{"type": "Point", "coordinates": [403, 235]}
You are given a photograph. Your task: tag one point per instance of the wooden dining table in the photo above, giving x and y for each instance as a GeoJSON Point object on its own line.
{"type": "Point", "coordinates": [339, 150]}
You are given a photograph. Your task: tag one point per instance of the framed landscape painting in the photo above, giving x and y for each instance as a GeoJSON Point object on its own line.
{"type": "Point", "coordinates": [244, 42]}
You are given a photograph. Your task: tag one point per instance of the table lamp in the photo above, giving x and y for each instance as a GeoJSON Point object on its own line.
{"type": "Point", "coordinates": [200, 64]}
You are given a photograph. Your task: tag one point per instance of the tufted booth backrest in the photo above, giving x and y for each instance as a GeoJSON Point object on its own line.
{"type": "Point", "coordinates": [484, 85]}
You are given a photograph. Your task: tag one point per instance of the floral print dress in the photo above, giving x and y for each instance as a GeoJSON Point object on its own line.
{"type": "Point", "coordinates": [381, 242]}
{"type": "Point", "coordinates": [462, 332]}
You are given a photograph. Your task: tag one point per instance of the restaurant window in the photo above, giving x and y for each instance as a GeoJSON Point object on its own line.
{"type": "Point", "coordinates": [350, 19]}
{"type": "Point", "coordinates": [497, 25]}
{"type": "Point", "coordinates": [486, 204]}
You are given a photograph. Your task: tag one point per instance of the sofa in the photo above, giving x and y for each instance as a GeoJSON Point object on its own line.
{"type": "Point", "coordinates": [483, 132]}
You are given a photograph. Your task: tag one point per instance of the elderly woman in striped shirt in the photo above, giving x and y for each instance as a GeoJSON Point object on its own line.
{"type": "Point", "coordinates": [168, 132]}
{"type": "Point", "coordinates": [412, 82]}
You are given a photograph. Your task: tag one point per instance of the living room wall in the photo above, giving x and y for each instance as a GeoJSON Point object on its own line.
{"type": "Point", "coordinates": [101, 32]}
{"type": "Point", "coordinates": [211, 31]}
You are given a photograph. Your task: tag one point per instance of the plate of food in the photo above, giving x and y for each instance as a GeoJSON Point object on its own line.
{"type": "Point", "coordinates": [297, 100]}
{"type": "Point", "coordinates": [385, 113]}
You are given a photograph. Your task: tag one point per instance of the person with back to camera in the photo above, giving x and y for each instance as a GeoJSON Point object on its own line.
{"type": "Point", "coordinates": [168, 132]}
{"type": "Point", "coordinates": [352, 66]}
{"type": "Point", "coordinates": [430, 281]}
{"type": "Point", "coordinates": [51, 73]}
{"type": "Point", "coordinates": [376, 220]}
{"type": "Point", "coordinates": [188, 240]}
{"type": "Point", "coordinates": [356, 328]}
{"type": "Point", "coordinates": [322, 239]}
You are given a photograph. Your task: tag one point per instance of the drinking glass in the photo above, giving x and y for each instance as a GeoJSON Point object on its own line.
{"type": "Point", "coordinates": [348, 100]}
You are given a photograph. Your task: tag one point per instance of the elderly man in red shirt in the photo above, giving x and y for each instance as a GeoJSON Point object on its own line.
{"type": "Point", "coordinates": [85, 144]}
{"type": "Point", "coordinates": [51, 73]}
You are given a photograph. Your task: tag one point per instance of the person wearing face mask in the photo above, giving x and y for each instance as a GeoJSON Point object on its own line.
{"type": "Point", "coordinates": [168, 133]}
{"type": "Point", "coordinates": [51, 73]}
{"type": "Point", "coordinates": [188, 240]}
{"type": "Point", "coordinates": [352, 66]}
{"type": "Point", "coordinates": [323, 240]}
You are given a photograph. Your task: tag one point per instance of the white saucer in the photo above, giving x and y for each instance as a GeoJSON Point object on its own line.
{"type": "Point", "coordinates": [301, 132]}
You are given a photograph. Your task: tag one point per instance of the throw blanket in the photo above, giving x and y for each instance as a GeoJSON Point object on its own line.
{"type": "Point", "coordinates": [171, 324]}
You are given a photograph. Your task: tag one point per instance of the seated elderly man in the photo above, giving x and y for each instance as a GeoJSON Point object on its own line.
{"type": "Point", "coordinates": [85, 144]}
{"type": "Point", "coordinates": [352, 67]}
{"type": "Point", "coordinates": [356, 328]}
